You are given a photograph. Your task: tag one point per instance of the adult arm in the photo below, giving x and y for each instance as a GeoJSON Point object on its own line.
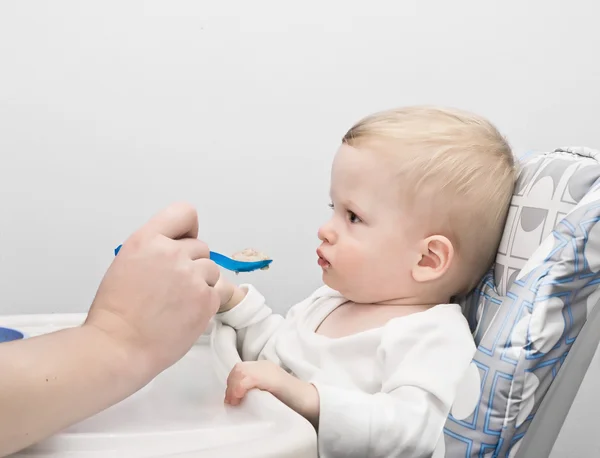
{"type": "Point", "coordinates": [152, 305]}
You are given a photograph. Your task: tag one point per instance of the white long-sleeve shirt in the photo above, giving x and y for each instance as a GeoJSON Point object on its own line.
{"type": "Point", "coordinates": [384, 392]}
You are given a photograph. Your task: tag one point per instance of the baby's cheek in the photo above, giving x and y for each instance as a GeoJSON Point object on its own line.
{"type": "Point", "coordinates": [356, 261]}
{"type": "Point", "coordinates": [385, 268]}
{"type": "Point", "coordinates": [366, 270]}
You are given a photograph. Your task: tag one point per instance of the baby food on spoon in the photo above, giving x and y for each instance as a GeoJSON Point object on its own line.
{"type": "Point", "coordinates": [250, 255]}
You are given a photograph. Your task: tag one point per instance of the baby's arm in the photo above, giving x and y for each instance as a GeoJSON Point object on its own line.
{"type": "Point", "coordinates": [254, 322]}
{"type": "Point", "coordinates": [422, 366]}
{"type": "Point", "coordinates": [246, 311]}
{"type": "Point", "coordinates": [268, 376]}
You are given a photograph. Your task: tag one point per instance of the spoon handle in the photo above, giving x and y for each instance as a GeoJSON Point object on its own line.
{"type": "Point", "coordinates": [228, 263]}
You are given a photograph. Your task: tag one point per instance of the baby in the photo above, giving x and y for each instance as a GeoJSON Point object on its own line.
{"type": "Point", "coordinates": [419, 197]}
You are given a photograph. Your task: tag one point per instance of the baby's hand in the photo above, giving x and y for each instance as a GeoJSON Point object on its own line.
{"type": "Point", "coordinates": [225, 289]}
{"type": "Point", "coordinates": [267, 376]}
{"type": "Point", "coordinates": [264, 375]}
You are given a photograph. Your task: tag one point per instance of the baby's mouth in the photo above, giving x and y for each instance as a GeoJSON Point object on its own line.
{"type": "Point", "coordinates": [322, 261]}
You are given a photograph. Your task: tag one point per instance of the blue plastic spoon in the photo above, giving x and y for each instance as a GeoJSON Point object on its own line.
{"type": "Point", "coordinates": [230, 264]}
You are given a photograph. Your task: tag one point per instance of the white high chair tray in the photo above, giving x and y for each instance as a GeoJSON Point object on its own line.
{"type": "Point", "coordinates": [180, 413]}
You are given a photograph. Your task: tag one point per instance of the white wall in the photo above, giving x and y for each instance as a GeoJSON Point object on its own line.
{"type": "Point", "coordinates": [111, 109]}
{"type": "Point", "coordinates": [579, 435]}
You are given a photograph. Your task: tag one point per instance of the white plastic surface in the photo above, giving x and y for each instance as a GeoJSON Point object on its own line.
{"type": "Point", "coordinates": [181, 412]}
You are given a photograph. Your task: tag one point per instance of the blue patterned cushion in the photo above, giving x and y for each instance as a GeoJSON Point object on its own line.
{"type": "Point", "coordinates": [526, 313]}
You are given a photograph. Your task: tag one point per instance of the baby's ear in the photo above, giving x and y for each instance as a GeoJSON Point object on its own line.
{"type": "Point", "coordinates": [437, 253]}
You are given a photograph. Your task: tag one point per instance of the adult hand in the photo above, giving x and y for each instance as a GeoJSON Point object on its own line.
{"type": "Point", "coordinates": [157, 297]}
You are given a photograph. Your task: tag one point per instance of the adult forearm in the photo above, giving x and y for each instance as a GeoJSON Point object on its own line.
{"type": "Point", "coordinates": [50, 382]}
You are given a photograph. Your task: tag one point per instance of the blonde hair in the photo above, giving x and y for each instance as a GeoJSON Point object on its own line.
{"type": "Point", "coordinates": [456, 162]}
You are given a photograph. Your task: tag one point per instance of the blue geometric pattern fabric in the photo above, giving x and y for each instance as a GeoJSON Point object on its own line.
{"type": "Point", "coordinates": [527, 312]}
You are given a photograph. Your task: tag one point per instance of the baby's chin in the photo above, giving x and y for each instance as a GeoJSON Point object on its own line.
{"type": "Point", "coordinates": [349, 293]}
{"type": "Point", "coordinates": [361, 295]}
{"type": "Point", "coordinates": [332, 282]}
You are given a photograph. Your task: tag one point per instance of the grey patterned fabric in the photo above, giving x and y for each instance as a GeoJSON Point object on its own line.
{"type": "Point", "coordinates": [526, 313]}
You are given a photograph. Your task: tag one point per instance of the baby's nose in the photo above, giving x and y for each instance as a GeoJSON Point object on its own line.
{"type": "Point", "coordinates": [326, 233]}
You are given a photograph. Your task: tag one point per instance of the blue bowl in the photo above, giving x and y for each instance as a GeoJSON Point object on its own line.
{"type": "Point", "coordinates": [7, 334]}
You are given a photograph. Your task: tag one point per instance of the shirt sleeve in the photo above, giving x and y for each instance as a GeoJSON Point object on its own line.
{"type": "Point", "coordinates": [422, 362]}
{"type": "Point", "coordinates": [255, 325]}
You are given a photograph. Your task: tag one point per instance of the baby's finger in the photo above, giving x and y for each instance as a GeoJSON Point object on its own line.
{"type": "Point", "coordinates": [227, 398]}
{"type": "Point", "coordinates": [229, 391]}
{"type": "Point", "coordinates": [238, 392]}
{"type": "Point", "coordinates": [241, 389]}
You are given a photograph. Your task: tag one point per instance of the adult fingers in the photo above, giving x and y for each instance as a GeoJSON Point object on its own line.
{"type": "Point", "coordinates": [179, 220]}
{"type": "Point", "coordinates": [208, 271]}
{"type": "Point", "coordinates": [195, 249]}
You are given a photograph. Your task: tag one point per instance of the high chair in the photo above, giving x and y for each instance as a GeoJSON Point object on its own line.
{"type": "Point", "coordinates": [533, 316]}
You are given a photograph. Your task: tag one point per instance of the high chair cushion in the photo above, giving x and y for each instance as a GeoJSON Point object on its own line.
{"type": "Point", "coordinates": [527, 312]}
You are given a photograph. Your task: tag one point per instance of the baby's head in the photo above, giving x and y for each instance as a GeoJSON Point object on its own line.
{"type": "Point", "coordinates": [420, 197]}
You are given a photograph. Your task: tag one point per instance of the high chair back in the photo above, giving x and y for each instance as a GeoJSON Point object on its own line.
{"type": "Point", "coordinates": [533, 316]}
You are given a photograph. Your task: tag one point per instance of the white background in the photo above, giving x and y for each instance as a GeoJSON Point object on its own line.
{"type": "Point", "coordinates": [110, 110]}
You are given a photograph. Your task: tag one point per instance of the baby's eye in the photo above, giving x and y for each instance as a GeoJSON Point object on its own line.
{"type": "Point", "coordinates": [353, 218]}
{"type": "Point", "coordinates": [330, 205]}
